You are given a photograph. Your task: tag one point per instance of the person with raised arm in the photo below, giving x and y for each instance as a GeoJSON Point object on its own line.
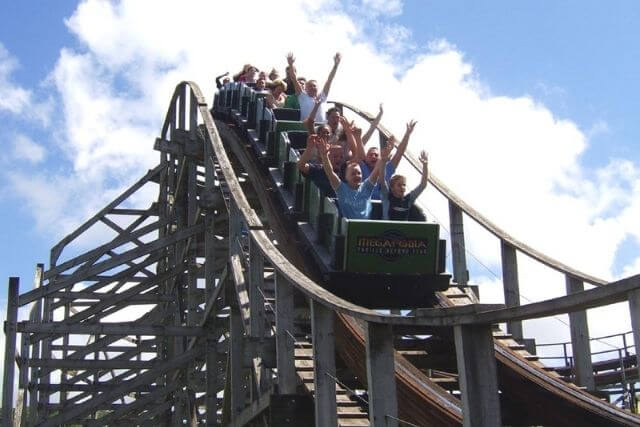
{"type": "Point", "coordinates": [219, 84]}
{"type": "Point", "coordinates": [396, 204]}
{"type": "Point", "coordinates": [373, 126]}
{"type": "Point", "coordinates": [314, 171]}
{"type": "Point", "coordinates": [309, 94]}
{"type": "Point", "coordinates": [373, 154]}
{"type": "Point", "coordinates": [354, 195]}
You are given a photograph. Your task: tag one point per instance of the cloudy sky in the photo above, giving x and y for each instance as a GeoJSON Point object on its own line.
{"type": "Point", "coordinates": [528, 110]}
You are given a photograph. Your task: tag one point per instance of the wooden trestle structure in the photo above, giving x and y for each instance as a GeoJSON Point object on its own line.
{"type": "Point", "coordinates": [200, 310]}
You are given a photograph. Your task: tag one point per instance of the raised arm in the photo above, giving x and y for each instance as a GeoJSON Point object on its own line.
{"type": "Point", "coordinates": [291, 72]}
{"type": "Point", "coordinates": [403, 144]}
{"type": "Point", "coordinates": [310, 121]}
{"type": "Point", "coordinates": [303, 161]}
{"type": "Point", "coordinates": [332, 74]}
{"type": "Point", "coordinates": [218, 83]}
{"type": "Point", "coordinates": [424, 159]}
{"type": "Point", "coordinates": [352, 135]}
{"type": "Point", "coordinates": [381, 163]}
{"type": "Point", "coordinates": [372, 127]}
{"type": "Point", "coordinates": [323, 149]}
{"type": "Point", "coordinates": [384, 156]}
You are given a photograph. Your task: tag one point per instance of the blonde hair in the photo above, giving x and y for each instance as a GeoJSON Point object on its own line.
{"type": "Point", "coordinates": [395, 178]}
{"type": "Point", "coordinates": [274, 84]}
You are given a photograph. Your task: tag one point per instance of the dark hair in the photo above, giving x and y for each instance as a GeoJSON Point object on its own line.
{"type": "Point", "coordinates": [331, 110]}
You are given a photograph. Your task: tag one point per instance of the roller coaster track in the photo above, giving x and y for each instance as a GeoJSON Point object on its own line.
{"type": "Point", "coordinates": [201, 309]}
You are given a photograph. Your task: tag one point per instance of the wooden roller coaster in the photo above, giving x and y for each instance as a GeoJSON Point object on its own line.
{"type": "Point", "coordinates": [204, 307]}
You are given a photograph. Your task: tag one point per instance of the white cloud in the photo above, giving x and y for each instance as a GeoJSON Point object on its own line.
{"type": "Point", "coordinates": [383, 7]}
{"type": "Point", "coordinates": [17, 100]}
{"type": "Point", "coordinates": [24, 148]}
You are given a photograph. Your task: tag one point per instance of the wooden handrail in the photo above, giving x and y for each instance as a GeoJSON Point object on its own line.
{"type": "Point", "coordinates": [481, 219]}
{"type": "Point", "coordinates": [480, 314]}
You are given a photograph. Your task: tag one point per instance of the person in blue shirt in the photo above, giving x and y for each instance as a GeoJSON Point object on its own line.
{"type": "Point", "coordinates": [368, 161]}
{"type": "Point", "coordinates": [354, 195]}
{"type": "Point", "coordinates": [314, 171]}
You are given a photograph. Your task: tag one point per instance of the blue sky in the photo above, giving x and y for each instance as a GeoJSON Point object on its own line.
{"type": "Point", "coordinates": [528, 108]}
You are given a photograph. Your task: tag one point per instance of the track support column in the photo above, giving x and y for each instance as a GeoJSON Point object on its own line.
{"type": "Point", "coordinates": [285, 341]}
{"type": "Point", "coordinates": [511, 286]}
{"type": "Point", "coordinates": [458, 255]}
{"type": "Point", "coordinates": [324, 366]}
{"type": "Point", "coordinates": [634, 311]}
{"type": "Point", "coordinates": [477, 375]}
{"type": "Point", "coordinates": [10, 351]}
{"type": "Point", "coordinates": [580, 345]}
{"type": "Point", "coordinates": [383, 402]}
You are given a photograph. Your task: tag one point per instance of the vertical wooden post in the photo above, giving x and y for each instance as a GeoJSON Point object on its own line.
{"type": "Point", "coordinates": [477, 375]}
{"type": "Point", "coordinates": [511, 286]}
{"type": "Point", "coordinates": [236, 329]}
{"type": "Point", "coordinates": [192, 210]}
{"type": "Point", "coordinates": [381, 381]}
{"type": "Point", "coordinates": [256, 307]}
{"type": "Point", "coordinates": [285, 342]}
{"type": "Point", "coordinates": [324, 366]}
{"type": "Point", "coordinates": [10, 351]}
{"type": "Point", "coordinates": [212, 379]}
{"type": "Point", "coordinates": [36, 317]}
{"type": "Point", "coordinates": [634, 311]}
{"type": "Point", "coordinates": [580, 344]}
{"type": "Point", "coordinates": [458, 255]}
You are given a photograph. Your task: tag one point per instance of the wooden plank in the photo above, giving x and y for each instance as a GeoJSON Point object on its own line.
{"type": "Point", "coordinates": [110, 263]}
{"type": "Point", "coordinates": [511, 286]}
{"type": "Point", "coordinates": [285, 340]}
{"type": "Point", "coordinates": [71, 413]}
{"type": "Point", "coordinates": [381, 380]}
{"type": "Point", "coordinates": [57, 249]}
{"type": "Point", "coordinates": [477, 375]}
{"type": "Point", "coordinates": [10, 350]}
{"type": "Point", "coordinates": [458, 253]}
{"type": "Point", "coordinates": [324, 367]}
{"type": "Point", "coordinates": [580, 342]}
{"type": "Point", "coordinates": [115, 328]}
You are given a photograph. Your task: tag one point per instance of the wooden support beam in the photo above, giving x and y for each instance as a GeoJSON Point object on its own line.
{"type": "Point", "coordinates": [458, 254]}
{"type": "Point", "coordinates": [477, 374]}
{"type": "Point", "coordinates": [285, 340]}
{"type": "Point", "coordinates": [110, 263]}
{"type": "Point", "coordinates": [57, 249]}
{"type": "Point", "coordinates": [634, 312]}
{"type": "Point", "coordinates": [381, 380]}
{"type": "Point", "coordinates": [511, 286]}
{"type": "Point", "coordinates": [10, 350]}
{"type": "Point", "coordinates": [212, 379]}
{"type": "Point", "coordinates": [324, 366]}
{"type": "Point", "coordinates": [140, 403]}
{"type": "Point", "coordinates": [237, 370]}
{"type": "Point", "coordinates": [580, 343]}
{"type": "Point", "coordinates": [116, 328]}
{"type": "Point", "coordinates": [84, 364]}
{"type": "Point", "coordinates": [72, 413]}
{"type": "Point", "coordinates": [35, 317]}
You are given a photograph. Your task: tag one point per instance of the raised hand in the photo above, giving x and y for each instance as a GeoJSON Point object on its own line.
{"type": "Point", "coordinates": [410, 126]}
{"type": "Point", "coordinates": [311, 140]}
{"type": "Point", "coordinates": [290, 59]}
{"type": "Point", "coordinates": [337, 58]}
{"type": "Point", "coordinates": [424, 158]}
{"type": "Point", "coordinates": [386, 151]}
